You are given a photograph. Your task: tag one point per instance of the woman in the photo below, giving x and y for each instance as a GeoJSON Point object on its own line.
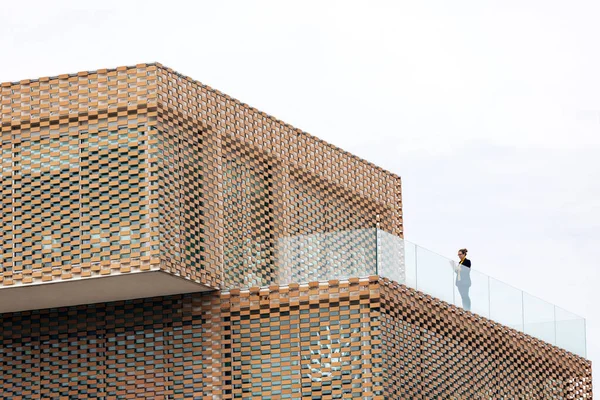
{"type": "Point", "coordinates": [463, 278]}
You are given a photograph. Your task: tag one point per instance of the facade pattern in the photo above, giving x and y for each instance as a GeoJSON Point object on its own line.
{"type": "Point", "coordinates": [254, 182]}
{"type": "Point", "coordinates": [141, 169]}
{"type": "Point", "coordinates": [435, 350]}
{"type": "Point", "coordinates": [214, 184]}
{"type": "Point", "coordinates": [364, 338]}
{"type": "Point", "coordinates": [75, 176]}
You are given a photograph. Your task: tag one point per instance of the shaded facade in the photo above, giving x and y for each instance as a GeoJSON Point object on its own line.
{"type": "Point", "coordinates": [143, 204]}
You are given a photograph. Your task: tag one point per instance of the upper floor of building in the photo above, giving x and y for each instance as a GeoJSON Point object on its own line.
{"type": "Point", "coordinates": [156, 184]}
{"type": "Point", "coordinates": [138, 182]}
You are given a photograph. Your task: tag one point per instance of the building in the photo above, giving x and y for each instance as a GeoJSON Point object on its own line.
{"type": "Point", "coordinates": [163, 240]}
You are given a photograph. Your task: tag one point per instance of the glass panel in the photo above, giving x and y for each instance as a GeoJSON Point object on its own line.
{"type": "Point", "coordinates": [474, 297]}
{"type": "Point", "coordinates": [435, 275]}
{"type": "Point", "coordinates": [358, 253]}
{"type": "Point", "coordinates": [390, 256]}
{"type": "Point", "coordinates": [410, 264]}
{"type": "Point", "coordinates": [506, 306]}
{"type": "Point", "coordinates": [570, 332]}
{"type": "Point", "coordinates": [325, 256]}
{"type": "Point", "coordinates": [539, 318]}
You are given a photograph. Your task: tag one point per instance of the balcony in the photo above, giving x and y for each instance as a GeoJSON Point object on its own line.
{"type": "Point", "coordinates": [359, 253]}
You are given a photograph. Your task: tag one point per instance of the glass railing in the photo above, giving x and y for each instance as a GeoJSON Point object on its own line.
{"type": "Point", "coordinates": [359, 253]}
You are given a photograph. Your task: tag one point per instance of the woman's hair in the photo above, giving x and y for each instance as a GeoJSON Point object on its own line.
{"type": "Point", "coordinates": [464, 251]}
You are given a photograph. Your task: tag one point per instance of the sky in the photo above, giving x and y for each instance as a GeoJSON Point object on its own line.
{"type": "Point", "coordinates": [488, 110]}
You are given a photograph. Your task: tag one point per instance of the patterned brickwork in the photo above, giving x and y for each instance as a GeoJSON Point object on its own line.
{"type": "Point", "coordinates": [152, 348]}
{"type": "Point", "coordinates": [248, 214]}
{"type": "Point", "coordinates": [299, 341]}
{"type": "Point", "coordinates": [360, 338]}
{"type": "Point", "coordinates": [304, 341]}
{"type": "Point", "coordinates": [75, 175]}
{"type": "Point", "coordinates": [140, 168]}
{"type": "Point", "coordinates": [434, 350]}
{"type": "Point", "coordinates": [261, 182]}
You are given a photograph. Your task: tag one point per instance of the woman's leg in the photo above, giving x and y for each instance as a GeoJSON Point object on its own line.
{"type": "Point", "coordinates": [464, 295]}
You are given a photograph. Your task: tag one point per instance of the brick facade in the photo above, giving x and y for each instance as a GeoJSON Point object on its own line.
{"type": "Point", "coordinates": [141, 169]}
{"type": "Point", "coordinates": [364, 338]}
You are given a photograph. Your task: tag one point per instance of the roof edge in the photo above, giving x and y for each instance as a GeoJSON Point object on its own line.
{"type": "Point", "coordinates": [80, 73]}
{"type": "Point", "coordinates": [192, 80]}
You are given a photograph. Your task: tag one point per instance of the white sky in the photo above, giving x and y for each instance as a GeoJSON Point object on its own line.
{"type": "Point", "coordinates": [489, 110]}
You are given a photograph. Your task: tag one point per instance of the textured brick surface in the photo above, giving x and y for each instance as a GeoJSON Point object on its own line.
{"type": "Point", "coordinates": [141, 168]}
{"type": "Point", "coordinates": [75, 178]}
{"type": "Point", "coordinates": [435, 350]}
{"type": "Point", "coordinates": [252, 182]}
{"type": "Point", "coordinates": [153, 348]}
{"type": "Point", "coordinates": [304, 341]}
{"type": "Point", "coordinates": [362, 338]}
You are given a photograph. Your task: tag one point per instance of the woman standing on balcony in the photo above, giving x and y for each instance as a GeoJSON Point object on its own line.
{"type": "Point", "coordinates": [463, 278]}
